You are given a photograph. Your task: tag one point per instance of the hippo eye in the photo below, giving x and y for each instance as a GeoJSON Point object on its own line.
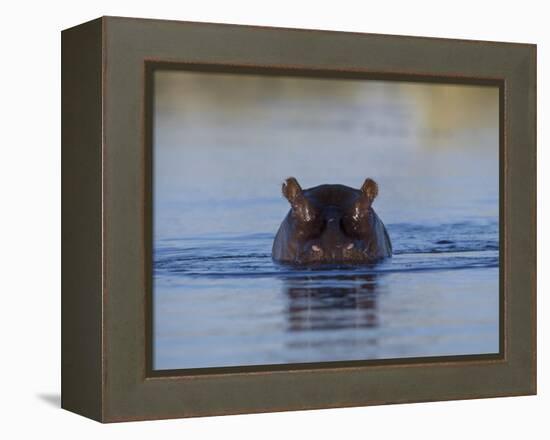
{"type": "Point", "coordinates": [311, 230]}
{"type": "Point", "coordinates": [351, 227]}
{"type": "Point", "coordinates": [357, 214]}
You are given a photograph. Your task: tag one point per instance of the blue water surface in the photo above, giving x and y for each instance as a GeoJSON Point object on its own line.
{"type": "Point", "coordinates": [222, 301]}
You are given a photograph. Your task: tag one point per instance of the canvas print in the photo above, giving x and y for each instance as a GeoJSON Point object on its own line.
{"type": "Point", "coordinates": [307, 220]}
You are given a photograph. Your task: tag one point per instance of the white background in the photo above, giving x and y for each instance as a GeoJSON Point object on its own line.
{"type": "Point", "coordinates": [30, 218]}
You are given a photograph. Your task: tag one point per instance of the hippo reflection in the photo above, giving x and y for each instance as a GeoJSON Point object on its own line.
{"type": "Point", "coordinates": [331, 224]}
{"type": "Point", "coordinates": [336, 302]}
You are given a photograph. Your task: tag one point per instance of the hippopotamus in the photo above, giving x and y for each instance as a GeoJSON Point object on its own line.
{"type": "Point", "coordinates": [331, 224]}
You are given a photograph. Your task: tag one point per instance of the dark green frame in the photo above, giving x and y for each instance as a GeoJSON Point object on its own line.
{"type": "Point", "coordinates": [106, 215]}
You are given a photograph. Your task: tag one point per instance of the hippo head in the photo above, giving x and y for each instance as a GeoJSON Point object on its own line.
{"type": "Point", "coordinates": [331, 224]}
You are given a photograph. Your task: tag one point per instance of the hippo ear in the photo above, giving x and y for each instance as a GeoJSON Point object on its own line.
{"type": "Point", "coordinates": [302, 208]}
{"type": "Point", "coordinates": [291, 189]}
{"type": "Point", "coordinates": [361, 207]}
{"type": "Point", "coordinates": [370, 189]}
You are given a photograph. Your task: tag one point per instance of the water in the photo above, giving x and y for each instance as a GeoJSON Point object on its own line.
{"type": "Point", "coordinates": [222, 301]}
{"type": "Point", "coordinates": [220, 157]}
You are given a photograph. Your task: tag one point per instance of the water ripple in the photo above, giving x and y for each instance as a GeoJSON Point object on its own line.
{"type": "Point", "coordinates": [417, 248]}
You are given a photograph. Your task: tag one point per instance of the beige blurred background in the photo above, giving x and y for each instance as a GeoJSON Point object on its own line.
{"type": "Point", "coordinates": [433, 148]}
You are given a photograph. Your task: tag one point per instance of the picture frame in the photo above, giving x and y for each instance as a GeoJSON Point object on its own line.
{"type": "Point", "coordinates": [107, 196]}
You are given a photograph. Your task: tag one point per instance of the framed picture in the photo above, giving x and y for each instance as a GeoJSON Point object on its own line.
{"type": "Point", "coordinates": [264, 219]}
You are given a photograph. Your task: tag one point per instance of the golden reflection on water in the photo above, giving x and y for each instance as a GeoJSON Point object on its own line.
{"type": "Point", "coordinates": [232, 107]}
